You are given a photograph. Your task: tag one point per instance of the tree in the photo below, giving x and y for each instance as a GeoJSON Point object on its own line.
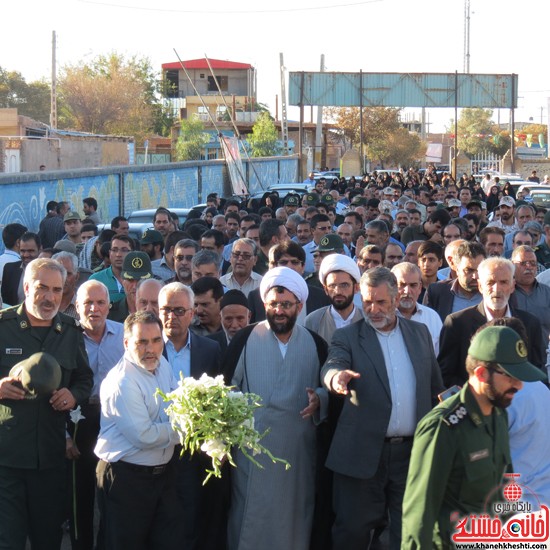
{"type": "Point", "coordinates": [111, 95]}
{"type": "Point", "coordinates": [478, 134]}
{"type": "Point", "coordinates": [381, 130]}
{"type": "Point", "coordinates": [264, 137]}
{"type": "Point", "coordinates": [192, 140]}
{"type": "Point", "coordinates": [403, 148]}
{"type": "Point", "coordinates": [30, 99]}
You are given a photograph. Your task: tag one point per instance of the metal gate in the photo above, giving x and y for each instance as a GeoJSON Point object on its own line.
{"type": "Point", "coordinates": [486, 162]}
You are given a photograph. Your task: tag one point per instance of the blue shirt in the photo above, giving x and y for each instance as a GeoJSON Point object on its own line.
{"type": "Point", "coordinates": [134, 426]}
{"type": "Point", "coordinates": [402, 382]}
{"type": "Point", "coordinates": [180, 361]}
{"type": "Point", "coordinates": [103, 356]}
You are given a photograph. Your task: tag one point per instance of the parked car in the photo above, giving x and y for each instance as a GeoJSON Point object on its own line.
{"type": "Point", "coordinates": [283, 189]}
{"type": "Point", "coordinates": [541, 197]}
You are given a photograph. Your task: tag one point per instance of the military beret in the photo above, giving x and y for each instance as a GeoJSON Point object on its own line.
{"type": "Point", "coordinates": [39, 374]}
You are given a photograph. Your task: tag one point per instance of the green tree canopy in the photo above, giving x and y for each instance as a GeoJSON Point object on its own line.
{"type": "Point", "coordinates": [30, 99]}
{"type": "Point", "coordinates": [191, 141]}
{"type": "Point", "coordinates": [113, 95]}
{"type": "Point", "coordinates": [264, 137]}
{"type": "Point", "coordinates": [478, 134]}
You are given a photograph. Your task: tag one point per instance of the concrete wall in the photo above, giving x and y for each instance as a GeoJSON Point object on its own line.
{"type": "Point", "coordinates": [71, 153]}
{"type": "Point", "coordinates": [122, 189]}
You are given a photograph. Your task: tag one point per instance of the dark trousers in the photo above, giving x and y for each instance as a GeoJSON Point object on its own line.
{"type": "Point", "coordinates": [83, 479]}
{"type": "Point", "coordinates": [139, 508]}
{"type": "Point", "coordinates": [362, 505]}
{"type": "Point", "coordinates": [32, 503]}
{"type": "Point", "coordinates": [205, 508]}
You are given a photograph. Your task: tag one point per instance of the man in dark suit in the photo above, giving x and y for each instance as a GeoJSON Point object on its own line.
{"type": "Point", "coordinates": [204, 514]}
{"type": "Point", "coordinates": [386, 368]}
{"type": "Point", "coordinates": [450, 296]}
{"type": "Point", "coordinates": [235, 315]}
{"type": "Point", "coordinates": [496, 284]}
{"type": "Point", "coordinates": [12, 279]}
{"type": "Point", "coordinates": [292, 255]}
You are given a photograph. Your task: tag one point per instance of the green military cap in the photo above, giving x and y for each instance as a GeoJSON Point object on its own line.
{"type": "Point", "coordinates": [330, 243]}
{"type": "Point", "coordinates": [327, 199]}
{"type": "Point", "coordinates": [358, 200]}
{"type": "Point", "coordinates": [504, 346]}
{"type": "Point", "coordinates": [292, 200]}
{"type": "Point", "coordinates": [151, 236]}
{"type": "Point", "coordinates": [137, 265]}
{"type": "Point", "coordinates": [71, 215]}
{"type": "Point", "coordinates": [311, 199]}
{"type": "Point", "coordinates": [39, 374]}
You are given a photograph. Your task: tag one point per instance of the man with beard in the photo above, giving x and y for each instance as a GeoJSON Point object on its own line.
{"type": "Point", "coordinates": [14, 272]}
{"type": "Point", "coordinates": [288, 254]}
{"type": "Point", "coordinates": [32, 422]}
{"type": "Point", "coordinates": [452, 295]}
{"type": "Point", "coordinates": [279, 361]}
{"type": "Point", "coordinates": [496, 284]}
{"type": "Point", "coordinates": [507, 221]}
{"type": "Point", "coordinates": [339, 276]}
{"type": "Point", "coordinates": [135, 474]}
{"type": "Point", "coordinates": [492, 239]}
{"type": "Point", "coordinates": [183, 256]}
{"type": "Point", "coordinates": [409, 287]}
{"type": "Point", "coordinates": [385, 367]}
{"type": "Point", "coordinates": [461, 447]}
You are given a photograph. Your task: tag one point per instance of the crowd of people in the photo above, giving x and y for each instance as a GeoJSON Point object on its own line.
{"type": "Point", "coordinates": [386, 324]}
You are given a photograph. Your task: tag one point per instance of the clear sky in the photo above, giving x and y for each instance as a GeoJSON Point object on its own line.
{"type": "Point", "coordinates": [372, 35]}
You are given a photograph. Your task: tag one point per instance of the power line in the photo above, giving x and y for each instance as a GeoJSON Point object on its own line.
{"type": "Point", "coordinates": [227, 12]}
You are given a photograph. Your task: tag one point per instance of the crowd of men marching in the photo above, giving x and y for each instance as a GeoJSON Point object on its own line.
{"type": "Point", "coordinates": [350, 310]}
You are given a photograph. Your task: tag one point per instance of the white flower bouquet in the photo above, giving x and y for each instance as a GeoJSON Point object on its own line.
{"type": "Point", "coordinates": [211, 417]}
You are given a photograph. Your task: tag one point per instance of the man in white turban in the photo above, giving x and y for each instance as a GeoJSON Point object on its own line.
{"type": "Point", "coordinates": [280, 361]}
{"type": "Point", "coordinates": [339, 276]}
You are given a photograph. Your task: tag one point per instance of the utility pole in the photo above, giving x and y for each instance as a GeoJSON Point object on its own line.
{"type": "Point", "coordinates": [319, 128]}
{"type": "Point", "coordinates": [53, 107]}
{"type": "Point", "coordinates": [467, 36]}
{"type": "Point", "coordinates": [284, 119]}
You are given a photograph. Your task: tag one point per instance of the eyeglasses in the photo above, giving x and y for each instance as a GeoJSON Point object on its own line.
{"type": "Point", "coordinates": [501, 372]}
{"type": "Point", "coordinates": [187, 258]}
{"type": "Point", "coordinates": [177, 311]}
{"type": "Point", "coordinates": [120, 250]}
{"type": "Point", "coordinates": [341, 286]}
{"type": "Point", "coordinates": [243, 255]}
{"type": "Point", "coordinates": [527, 263]}
{"type": "Point", "coordinates": [285, 306]}
{"type": "Point", "coordinates": [292, 262]}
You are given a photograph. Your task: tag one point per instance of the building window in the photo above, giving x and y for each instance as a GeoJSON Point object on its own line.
{"type": "Point", "coordinates": [172, 83]}
{"type": "Point", "coordinates": [223, 81]}
{"type": "Point", "coordinates": [202, 113]}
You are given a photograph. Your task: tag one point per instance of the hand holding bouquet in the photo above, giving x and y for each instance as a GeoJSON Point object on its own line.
{"type": "Point", "coordinates": [211, 417]}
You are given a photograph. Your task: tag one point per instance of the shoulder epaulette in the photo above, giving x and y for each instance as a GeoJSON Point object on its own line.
{"type": "Point", "coordinates": [455, 415]}
{"type": "Point", "coordinates": [9, 313]}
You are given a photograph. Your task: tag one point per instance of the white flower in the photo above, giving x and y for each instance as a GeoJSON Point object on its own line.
{"type": "Point", "coordinates": [76, 415]}
{"type": "Point", "coordinates": [214, 448]}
